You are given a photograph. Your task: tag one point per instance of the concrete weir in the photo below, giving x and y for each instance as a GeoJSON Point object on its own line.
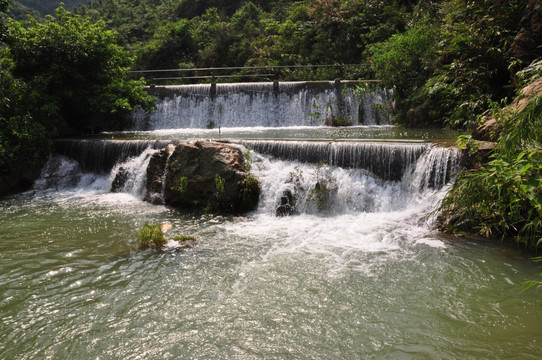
{"type": "Point", "coordinates": [267, 104]}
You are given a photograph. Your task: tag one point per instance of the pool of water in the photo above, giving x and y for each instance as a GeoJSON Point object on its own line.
{"type": "Point", "coordinates": [371, 283]}
{"type": "Point", "coordinates": [352, 133]}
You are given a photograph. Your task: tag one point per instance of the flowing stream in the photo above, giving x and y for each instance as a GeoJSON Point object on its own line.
{"type": "Point", "coordinates": [357, 274]}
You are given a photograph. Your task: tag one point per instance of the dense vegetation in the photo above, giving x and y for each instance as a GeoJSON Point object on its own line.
{"type": "Point", "coordinates": [503, 197]}
{"type": "Point", "coordinates": [38, 8]}
{"type": "Point", "coordinates": [63, 75]}
{"type": "Point", "coordinates": [447, 60]}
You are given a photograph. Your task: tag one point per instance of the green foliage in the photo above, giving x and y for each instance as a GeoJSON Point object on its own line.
{"type": "Point", "coordinates": [248, 160]}
{"type": "Point", "coordinates": [46, 7]}
{"type": "Point", "coordinates": [467, 142]}
{"type": "Point", "coordinates": [182, 185]}
{"type": "Point", "coordinates": [66, 74]}
{"type": "Point", "coordinates": [172, 44]}
{"type": "Point", "coordinates": [405, 61]}
{"type": "Point", "coordinates": [151, 236]}
{"type": "Point", "coordinates": [219, 183]}
{"type": "Point", "coordinates": [453, 72]}
{"type": "Point", "coordinates": [337, 120]}
{"type": "Point", "coordinates": [24, 143]}
{"type": "Point", "coordinates": [533, 283]}
{"type": "Point", "coordinates": [530, 73]}
{"type": "Point", "coordinates": [76, 69]}
{"type": "Point", "coordinates": [504, 198]}
{"type": "Point", "coordinates": [184, 238]}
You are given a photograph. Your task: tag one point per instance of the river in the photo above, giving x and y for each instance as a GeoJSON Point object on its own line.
{"type": "Point", "coordinates": [363, 277]}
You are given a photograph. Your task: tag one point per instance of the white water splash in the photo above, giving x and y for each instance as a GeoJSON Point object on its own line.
{"type": "Point", "coordinates": [135, 172]}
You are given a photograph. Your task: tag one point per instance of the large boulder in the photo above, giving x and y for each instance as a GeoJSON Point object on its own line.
{"type": "Point", "coordinates": [208, 175]}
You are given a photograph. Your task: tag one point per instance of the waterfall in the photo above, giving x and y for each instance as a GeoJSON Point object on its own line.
{"type": "Point", "coordinates": [292, 187]}
{"type": "Point", "coordinates": [100, 156]}
{"type": "Point", "coordinates": [297, 176]}
{"type": "Point", "coordinates": [283, 104]}
{"type": "Point", "coordinates": [388, 161]}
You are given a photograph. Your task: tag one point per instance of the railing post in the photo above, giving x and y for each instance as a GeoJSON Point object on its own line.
{"type": "Point", "coordinates": [212, 91]}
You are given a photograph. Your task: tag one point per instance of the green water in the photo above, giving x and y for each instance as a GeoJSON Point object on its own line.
{"type": "Point", "coordinates": [375, 285]}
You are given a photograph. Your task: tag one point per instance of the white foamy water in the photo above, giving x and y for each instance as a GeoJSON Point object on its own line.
{"type": "Point", "coordinates": [263, 105]}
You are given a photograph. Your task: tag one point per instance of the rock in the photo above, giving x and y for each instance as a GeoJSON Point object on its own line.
{"type": "Point", "coordinates": [120, 180]}
{"type": "Point", "coordinates": [491, 127]}
{"type": "Point", "coordinates": [287, 205]}
{"type": "Point", "coordinates": [488, 131]}
{"type": "Point", "coordinates": [475, 159]}
{"type": "Point", "coordinates": [210, 175]}
{"type": "Point", "coordinates": [527, 43]}
{"type": "Point", "coordinates": [156, 174]}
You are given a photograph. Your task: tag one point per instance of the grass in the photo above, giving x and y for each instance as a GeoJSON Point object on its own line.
{"type": "Point", "coordinates": [151, 236]}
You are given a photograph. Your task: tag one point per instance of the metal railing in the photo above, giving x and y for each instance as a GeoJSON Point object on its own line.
{"type": "Point", "coordinates": [239, 73]}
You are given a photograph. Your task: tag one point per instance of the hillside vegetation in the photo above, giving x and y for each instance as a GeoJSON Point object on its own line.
{"type": "Point", "coordinates": [39, 8]}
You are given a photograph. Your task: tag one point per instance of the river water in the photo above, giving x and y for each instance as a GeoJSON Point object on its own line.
{"type": "Point", "coordinates": [359, 275]}
{"type": "Point", "coordinates": [365, 278]}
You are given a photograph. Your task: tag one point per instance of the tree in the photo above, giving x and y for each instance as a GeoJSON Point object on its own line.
{"type": "Point", "coordinates": [78, 70]}
{"type": "Point", "coordinates": [64, 74]}
{"type": "Point", "coordinates": [405, 61]}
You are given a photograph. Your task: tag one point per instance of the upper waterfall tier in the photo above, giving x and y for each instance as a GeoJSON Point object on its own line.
{"type": "Point", "coordinates": [278, 104]}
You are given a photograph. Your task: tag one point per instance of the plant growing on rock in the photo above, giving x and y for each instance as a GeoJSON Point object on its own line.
{"type": "Point", "coordinates": [219, 183]}
{"type": "Point", "coordinates": [182, 184]}
{"type": "Point", "coordinates": [337, 120]}
{"type": "Point", "coordinates": [151, 236]}
{"type": "Point", "coordinates": [250, 189]}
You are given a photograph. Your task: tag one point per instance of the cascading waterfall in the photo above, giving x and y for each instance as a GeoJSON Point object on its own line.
{"type": "Point", "coordinates": [387, 161]}
{"type": "Point", "coordinates": [281, 104]}
{"type": "Point", "coordinates": [319, 188]}
{"type": "Point", "coordinates": [64, 173]}
{"type": "Point", "coordinates": [357, 176]}
{"type": "Point", "coordinates": [100, 156]}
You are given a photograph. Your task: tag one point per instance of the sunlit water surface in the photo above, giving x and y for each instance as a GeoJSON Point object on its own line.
{"type": "Point", "coordinates": [351, 282]}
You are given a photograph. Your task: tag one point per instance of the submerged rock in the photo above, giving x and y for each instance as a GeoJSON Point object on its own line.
{"type": "Point", "coordinates": [120, 180]}
{"type": "Point", "coordinates": [208, 175]}
{"type": "Point", "coordinates": [287, 204]}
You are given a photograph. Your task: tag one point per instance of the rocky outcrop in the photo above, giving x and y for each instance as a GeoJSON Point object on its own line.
{"type": "Point", "coordinates": [206, 175]}
{"type": "Point", "coordinates": [120, 180]}
{"type": "Point", "coordinates": [287, 204]}
{"type": "Point", "coordinates": [527, 44]}
{"type": "Point", "coordinates": [490, 129]}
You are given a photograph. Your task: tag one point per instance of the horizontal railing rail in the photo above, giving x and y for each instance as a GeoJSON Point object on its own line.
{"type": "Point", "coordinates": [273, 72]}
